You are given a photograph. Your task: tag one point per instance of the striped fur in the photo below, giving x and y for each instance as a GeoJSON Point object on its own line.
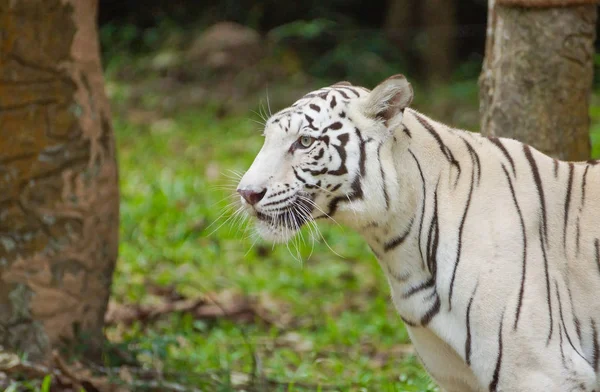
{"type": "Point", "coordinates": [491, 248]}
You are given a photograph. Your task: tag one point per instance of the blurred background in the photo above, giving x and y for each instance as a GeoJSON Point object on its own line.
{"type": "Point", "coordinates": [231, 51]}
{"type": "Point", "coordinates": [196, 299]}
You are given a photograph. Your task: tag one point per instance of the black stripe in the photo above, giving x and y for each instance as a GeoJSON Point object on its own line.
{"type": "Point", "coordinates": [389, 245]}
{"type": "Point", "coordinates": [319, 154]}
{"type": "Point", "coordinates": [385, 192]}
{"type": "Point", "coordinates": [583, 183]}
{"type": "Point", "coordinates": [333, 102]}
{"type": "Point", "coordinates": [547, 275]}
{"type": "Point", "coordinates": [314, 107]}
{"type": "Point", "coordinates": [460, 233]}
{"type": "Point", "coordinates": [298, 176]}
{"type": "Point", "coordinates": [500, 145]}
{"type": "Point", "coordinates": [560, 342]}
{"type": "Point", "coordinates": [310, 122]}
{"type": "Point", "coordinates": [468, 323]}
{"type": "Point", "coordinates": [494, 383]}
{"type": "Point", "coordinates": [433, 236]}
{"type": "Point", "coordinates": [357, 191]}
{"type": "Point", "coordinates": [555, 167]}
{"type": "Point", "coordinates": [343, 139]}
{"type": "Point", "coordinates": [363, 156]}
{"type": "Point", "coordinates": [271, 203]}
{"type": "Point", "coordinates": [562, 320]}
{"type": "Point", "coordinates": [578, 236]}
{"type": "Point", "coordinates": [316, 172]}
{"type": "Point", "coordinates": [335, 126]}
{"type": "Point", "coordinates": [539, 187]}
{"type": "Point", "coordinates": [407, 132]}
{"type": "Point", "coordinates": [333, 204]}
{"type": "Point", "coordinates": [597, 246]}
{"type": "Point", "coordinates": [524, 232]}
{"type": "Point", "coordinates": [351, 90]}
{"type": "Point", "coordinates": [423, 201]}
{"type": "Point", "coordinates": [431, 312]}
{"type": "Point", "coordinates": [315, 185]}
{"type": "Point", "coordinates": [420, 287]}
{"type": "Point", "coordinates": [575, 319]}
{"type": "Point", "coordinates": [474, 159]}
{"type": "Point", "coordinates": [596, 356]}
{"type": "Point", "coordinates": [567, 205]}
{"type": "Point", "coordinates": [445, 150]}
{"type": "Point", "coordinates": [279, 193]}
{"type": "Point", "coordinates": [343, 94]}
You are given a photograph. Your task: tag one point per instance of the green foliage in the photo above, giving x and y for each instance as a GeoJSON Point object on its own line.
{"type": "Point", "coordinates": [331, 49]}
{"type": "Point", "coordinates": [46, 384]}
{"type": "Point", "coordinates": [119, 41]}
{"type": "Point", "coordinates": [304, 29]}
{"type": "Point", "coordinates": [595, 126]}
{"type": "Point", "coordinates": [373, 59]}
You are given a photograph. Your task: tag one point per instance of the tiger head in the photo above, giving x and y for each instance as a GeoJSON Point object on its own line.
{"type": "Point", "coordinates": [315, 161]}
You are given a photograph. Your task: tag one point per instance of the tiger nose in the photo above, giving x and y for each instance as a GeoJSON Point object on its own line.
{"type": "Point", "coordinates": [251, 196]}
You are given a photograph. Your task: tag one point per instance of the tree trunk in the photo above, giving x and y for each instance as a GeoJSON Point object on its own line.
{"type": "Point", "coordinates": [439, 18]}
{"type": "Point", "coordinates": [58, 177]}
{"type": "Point", "coordinates": [398, 24]}
{"type": "Point", "coordinates": [537, 75]}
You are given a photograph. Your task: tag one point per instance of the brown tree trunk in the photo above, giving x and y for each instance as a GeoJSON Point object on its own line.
{"type": "Point", "coordinates": [398, 24]}
{"type": "Point", "coordinates": [58, 177]}
{"type": "Point", "coordinates": [438, 53]}
{"type": "Point", "coordinates": [537, 75]}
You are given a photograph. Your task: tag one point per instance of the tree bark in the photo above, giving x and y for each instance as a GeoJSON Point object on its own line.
{"type": "Point", "coordinates": [439, 18]}
{"type": "Point", "coordinates": [537, 74]}
{"type": "Point", "coordinates": [58, 177]}
{"type": "Point", "coordinates": [398, 24]}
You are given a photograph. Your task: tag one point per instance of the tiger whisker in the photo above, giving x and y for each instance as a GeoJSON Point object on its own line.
{"type": "Point", "coordinates": [268, 103]}
{"type": "Point", "coordinates": [260, 116]}
{"type": "Point", "coordinates": [226, 220]}
{"type": "Point", "coordinates": [322, 237]}
{"type": "Point", "coordinates": [252, 246]}
{"type": "Point", "coordinates": [313, 204]}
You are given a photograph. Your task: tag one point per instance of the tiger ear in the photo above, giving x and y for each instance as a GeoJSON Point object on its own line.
{"type": "Point", "coordinates": [389, 98]}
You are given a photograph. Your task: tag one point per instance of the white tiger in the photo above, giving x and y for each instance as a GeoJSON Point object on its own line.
{"type": "Point", "coordinates": [491, 248]}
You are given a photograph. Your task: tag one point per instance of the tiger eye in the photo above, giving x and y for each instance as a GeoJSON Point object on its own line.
{"type": "Point", "coordinates": [306, 141]}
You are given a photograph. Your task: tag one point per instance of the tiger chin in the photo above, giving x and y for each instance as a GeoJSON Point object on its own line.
{"type": "Point", "coordinates": [491, 249]}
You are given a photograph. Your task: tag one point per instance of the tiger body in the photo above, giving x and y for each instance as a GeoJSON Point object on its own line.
{"type": "Point", "coordinates": [490, 248]}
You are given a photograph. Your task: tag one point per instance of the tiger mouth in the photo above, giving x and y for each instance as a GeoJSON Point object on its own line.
{"type": "Point", "coordinates": [293, 216]}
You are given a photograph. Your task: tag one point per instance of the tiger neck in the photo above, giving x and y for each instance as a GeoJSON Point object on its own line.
{"type": "Point", "coordinates": [402, 231]}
